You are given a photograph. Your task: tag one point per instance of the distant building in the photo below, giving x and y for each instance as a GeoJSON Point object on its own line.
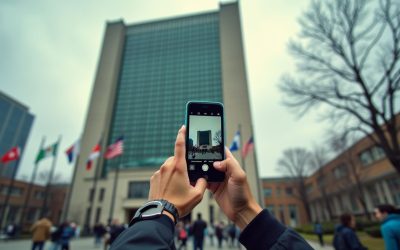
{"type": "Point", "coordinates": [333, 189]}
{"type": "Point", "coordinates": [19, 192]}
{"type": "Point", "coordinates": [15, 126]}
{"type": "Point", "coordinates": [204, 138]}
{"type": "Point", "coordinates": [146, 74]}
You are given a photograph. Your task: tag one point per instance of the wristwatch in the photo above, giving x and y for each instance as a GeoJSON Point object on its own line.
{"type": "Point", "coordinates": [153, 209]}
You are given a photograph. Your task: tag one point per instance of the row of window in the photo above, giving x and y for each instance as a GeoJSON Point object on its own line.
{"type": "Point", "coordinates": [136, 190]}
{"type": "Point", "coordinates": [268, 192]}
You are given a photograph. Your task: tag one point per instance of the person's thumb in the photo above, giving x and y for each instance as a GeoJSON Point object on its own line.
{"type": "Point", "coordinates": [231, 168]}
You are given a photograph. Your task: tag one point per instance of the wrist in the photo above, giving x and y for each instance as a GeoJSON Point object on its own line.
{"type": "Point", "coordinates": [246, 215]}
{"type": "Point", "coordinates": [165, 212]}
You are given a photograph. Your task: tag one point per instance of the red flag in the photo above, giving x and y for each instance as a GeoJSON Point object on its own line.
{"type": "Point", "coordinates": [115, 149]}
{"type": "Point", "coordinates": [11, 155]}
{"type": "Point", "coordinates": [248, 147]}
{"type": "Point", "coordinates": [93, 155]}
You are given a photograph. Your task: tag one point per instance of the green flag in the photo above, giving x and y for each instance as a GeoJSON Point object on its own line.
{"type": "Point", "coordinates": [46, 152]}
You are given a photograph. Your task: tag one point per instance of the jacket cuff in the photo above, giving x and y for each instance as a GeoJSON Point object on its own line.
{"type": "Point", "coordinates": [264, 228]}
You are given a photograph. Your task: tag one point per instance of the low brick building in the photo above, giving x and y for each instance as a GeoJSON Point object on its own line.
{"type": "Point", "coordinates": [19, 192]}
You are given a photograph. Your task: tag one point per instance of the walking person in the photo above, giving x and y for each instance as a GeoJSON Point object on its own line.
{"type": "Point", "coordinates": [67, 232]}
{"type": "Point", "coordinates": [219, 232]}
{"type": "Point", "coordinates": [345, 237]}
{"type": "Point", "coordinates": [99, 232]}
{"type": "Point", "coordinates": [198, 229]}
{"type": "Point", "coordinates": [390, 227]}
{"type": "Point", "coordinates": [40, 233]}
{"type": "Point", "coordinates": [318, 230]}
{"type": "Point", "coordinates": [182, 235]}
{"type": "Point", "coordinates": [232, 234]}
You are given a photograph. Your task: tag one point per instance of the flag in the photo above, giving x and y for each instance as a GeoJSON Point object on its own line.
{"type": "Point", "coordinates": [73, 151]}
{"type": "Point", "coordinates": [93, 155]}
{"type": "Point", "coordinates": [235, 143]}
{"type": "Point", "coordinates": [248, 147]}
{"type": "Point", "coordinates": [46, 152]}
{"type": "Point", "coordinates": [12, 155]}
{"type": "Point", "coordinates": [115, 149]}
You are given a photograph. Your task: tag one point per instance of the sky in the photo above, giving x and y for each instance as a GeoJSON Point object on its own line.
{"type": "Point", "coordinates": [50, 49]}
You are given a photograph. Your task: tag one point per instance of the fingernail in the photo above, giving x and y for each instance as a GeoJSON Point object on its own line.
{"type": "Point", "coordinates": [217, 164]}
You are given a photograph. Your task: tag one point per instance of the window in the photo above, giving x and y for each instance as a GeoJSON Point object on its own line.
{"type": "Point", "coordinates": [267, 192]}
{"type": "Point", "coordinates": [394, 186]}
{"type": "Point", "coordinates": [278, 191]}
{"type": "Point", "coordinates": [289, 191]}
{"type": "Point", "coordinates": [39, 195]}
{"type": "Point", "coordinates": [98, 213]}
{"type": "Point", "coordinates": [101, 194]}
{"type": "Point", "coordinates": [371, 155]}
{"type": "Point", "coordinates": [340, 171]}
{"type": "Point", "coordinates": [91, 194]}
{"type": "Point", "coordinates": [138, 189]}
{"type": "Point", "coordinates": [293, 215]}
{"type": "Point", "coordinates": [309, 188]}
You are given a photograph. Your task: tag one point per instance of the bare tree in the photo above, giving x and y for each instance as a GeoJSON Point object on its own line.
{"type": "Point", "coordinates": [295, 163]}
{"type": "Point", "coordinates": [348, 62]}
{"type": "Point", "coordinates": [352, 179]}
{"type": "Point", "coordinates": [319, 157]}
{"type": "Point", "coordinates": [218, 137]}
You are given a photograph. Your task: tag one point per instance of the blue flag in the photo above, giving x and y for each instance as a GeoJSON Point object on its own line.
{"type": "Point", "coordinates": [235, 143]}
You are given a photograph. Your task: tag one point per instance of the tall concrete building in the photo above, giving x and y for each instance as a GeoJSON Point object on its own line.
{"type": "Point", "coordinates": [147, 72]}
{"type": "Point", "coordinates": [15, 126]}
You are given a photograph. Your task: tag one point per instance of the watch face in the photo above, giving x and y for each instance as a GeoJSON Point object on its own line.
{"type": "Point", "coordinates": [152, 208]}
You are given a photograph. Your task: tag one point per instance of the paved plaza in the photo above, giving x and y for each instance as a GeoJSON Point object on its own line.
{"type": "Point", "coordinates": [87, 244]}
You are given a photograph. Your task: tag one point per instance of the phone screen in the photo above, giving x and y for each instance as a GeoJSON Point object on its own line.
{"type": "Point", "coordinates": [204, 140]}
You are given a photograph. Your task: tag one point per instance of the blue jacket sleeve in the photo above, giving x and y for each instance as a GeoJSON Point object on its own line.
{"type": "Point", "coordinates": [352, 241]}
{"type": "Point", "coordinates": [265, 232]}
{"type": "Point", "coordinates": [157, 233]}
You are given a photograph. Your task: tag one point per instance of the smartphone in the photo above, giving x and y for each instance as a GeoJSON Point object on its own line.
{"type": "Point", "coordinates": [205, 140]}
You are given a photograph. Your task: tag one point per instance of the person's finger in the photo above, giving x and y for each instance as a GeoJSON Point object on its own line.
{"type": "Point", "coordinates": [200, 186]}
{"type": "Point", "coordinates": [228, 153]}
{"type": "Point", "coordinates": [231, 168]}
{"type": "Point", "coordinates": [180, 144]}
{"type": "Point", "coordinates": [213, 186]}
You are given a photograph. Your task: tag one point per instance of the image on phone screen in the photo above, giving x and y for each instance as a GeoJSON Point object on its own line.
{"type": "Point", "coordinates": [205, 137]}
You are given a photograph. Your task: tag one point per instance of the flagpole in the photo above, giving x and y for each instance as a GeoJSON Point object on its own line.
{"type": "Point", "coordinates": [66, 211]}
{"type": "Point", "coordinates": [33, 177]}
{"type": "Point", "coordinates": [240, 148]}
{"type": "Point", "coordinates": [110, 217]}
{"type": "Point", "coordinates": [10, 186]}
{"type": "Point", "coordinates": [95, 177]}
{"type": "Point", "coordinates": [53, 166]}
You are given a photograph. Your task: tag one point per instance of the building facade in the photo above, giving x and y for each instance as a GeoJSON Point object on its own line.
{"type": "Point", "coordinates": [355, 181]}
{"type": "Point", "coordinates": [147, 73]}
{"type": "Point", "coordinates": [32, 211]}
{"type": "Point", "coordinates": [15, 126]}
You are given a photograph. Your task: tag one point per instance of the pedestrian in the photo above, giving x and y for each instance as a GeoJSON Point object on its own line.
{"type": "Point", "coordinates": [99, 232]}
{"type": "Point", "coordinates": [11, 230]}
{"type": "Point", "coordinates": [182, 235]}
{"type": "Point", "coordinates": [232, 234]}
{"type": "Point", "coordinates": [318, 230]}
{"type": "Point", "coordinates": [219, 232]}
{"type": "Point", "coordinates": [345, 237]}
{"type": "Point", "coordinates": [390, 227]}
{"type": "Point", "coordinates": [67, 232]}
{"type": "Point", "coordinates": [115, 230]}
{"type": "Point", "coordinates": [211, 233]}
{"type": "Point", "coordinates": [40, 233]}
{"type": "Point", "coordinates": [55, 238]}
{"type": "Point", "coordinates": [198, 229]}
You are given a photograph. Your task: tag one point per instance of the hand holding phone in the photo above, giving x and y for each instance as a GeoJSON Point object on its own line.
{"type": "Point", "coordinates": [204, 140]}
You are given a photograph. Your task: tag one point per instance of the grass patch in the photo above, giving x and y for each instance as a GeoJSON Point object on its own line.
{"type": "Point", "coordinates": [366, 240]}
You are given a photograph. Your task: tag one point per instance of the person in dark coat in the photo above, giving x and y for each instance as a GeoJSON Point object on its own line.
{"type": "Point", "coordinates": [219, 232]}
{"type": "Point", "coordinates": [345, 237]}
{"type": "Point", "coordinates": [319, 231]}
{"type": "Point", "coordinates": [99, 231]}
{"type": "Point", "coordinates": [260, 230]}
{"type": "Point", "coordinates": [198, 229]}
